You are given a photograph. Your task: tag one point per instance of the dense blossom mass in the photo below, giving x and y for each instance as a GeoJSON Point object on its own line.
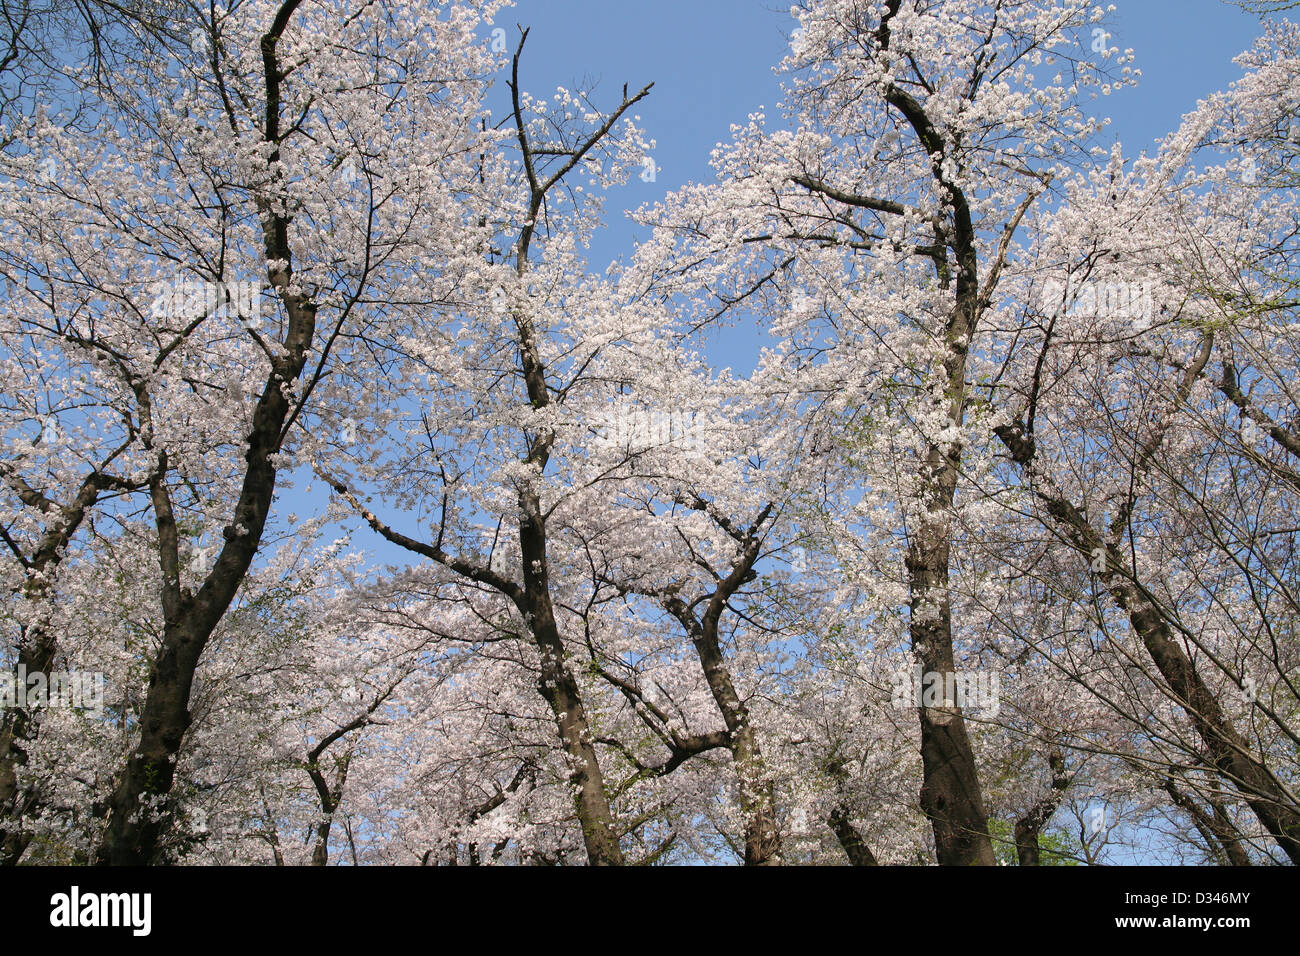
{"type": "Point", "coordinates": [350, 513]}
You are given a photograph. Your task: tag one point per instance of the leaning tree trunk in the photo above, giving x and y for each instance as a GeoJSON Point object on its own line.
{"type": "Point", "coordinates": [1029, 828]}
{"type": "Point", "coordinates": [139, 807]}
{"type": "Point", "coordinates": [1225, 748]}
{"type": "Point", "coordinates": [840, 820]}
{"type": "Point", "coordinates": [560, 689]}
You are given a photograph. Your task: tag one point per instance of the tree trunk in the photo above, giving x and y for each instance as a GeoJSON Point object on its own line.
{"type": "Point", "coordinates": [1216, 827]}
{"type": "Point", "coordinates": [1030, 826]}
{"type": "Point", "coordinates": [18, 727]}
{"type": "Point", "coordinates": [950, 792]}
{"type": "Point", "coordinates": [757, 802]}
{"type": "Point", "coordinates": [851, 841]}
{"type": "Point", "coordinates": [134, 832]}
{"type": "Point", "coordinates": [37, 650]}
{"type": "Point", "coordinates": [560, 689]}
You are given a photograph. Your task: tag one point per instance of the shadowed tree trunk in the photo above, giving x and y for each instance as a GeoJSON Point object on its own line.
{"type": "Point", "coordinates": [1030, 827]}
{"type": "Point", "coordinates": [329, 796]}
{"type": "Point", "coordinates": [37, 645]}
{"type": "Point", "coordinates": [1215, 827]}
{"type": "Point", "coordinates": [850, 839]}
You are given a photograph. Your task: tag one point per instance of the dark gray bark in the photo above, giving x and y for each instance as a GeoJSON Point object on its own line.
{"type": "Point", "coordinates": [950, 793]}
{"type": "Point", "coordinates": [850, 838]}
{"type": "Point", "coordinates": [37, 646]}
{"type": "Point", "coordinates": [330, 796]}
{"type": "Point", "coordinates": [851, 841]}
{"type": "Point", "coordinates": [1216, 827]}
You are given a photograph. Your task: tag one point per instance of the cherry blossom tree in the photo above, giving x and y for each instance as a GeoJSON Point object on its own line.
{"type": "Point", "coordinates": [1169, 478]}
{"type": "Point", "coordinates": [204, 262]}
{"type": "Point", "coordinates": [519, 372]}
